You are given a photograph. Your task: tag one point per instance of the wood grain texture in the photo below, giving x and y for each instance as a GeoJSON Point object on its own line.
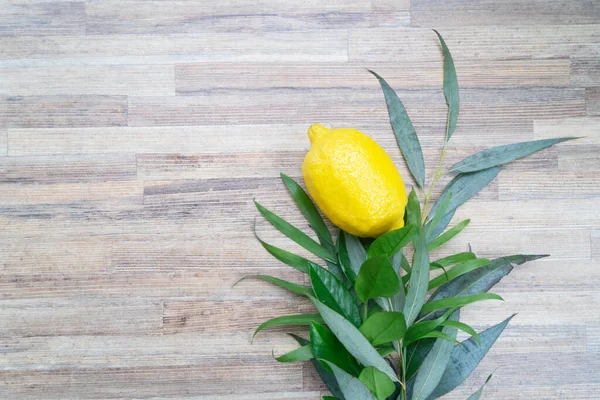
{"type": "Point", "coordinates": [134, 136]}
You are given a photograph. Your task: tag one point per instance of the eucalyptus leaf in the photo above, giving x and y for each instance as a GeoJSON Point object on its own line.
{"type": "Point", "coordinates": [418, 330]}
{"type": "Point", "coordinates": [458, 301]}
{"type": "Point", "coordinates": [384, 327]}
{"type": "Point", "coordinates": [448, 235]}
{"type": "Point", "coordinates": [405, 133]}
{"type": "Point", "coordinates": [503, 154]}
{"type": "Point", "coordinates": [457, 271]}
{"type": "Point", "coordinates": [477, 394]}
{"type": "Point", "coordinates": [351, 254]}
{"type": "Point", "coordinates": [385, 350]}
{"type": "Point", "coordinates": [465, 357]}
{"type": "Point", "coordinates": [295, 234]}
{"type": "Point", "coordinates": [415, 354]}
{"type": "Point", "coordinates": [413, 209]}
{"type": "Point", "coordinates": [377, 382]}
{"type": "Point", "coordinates": [353, 340]}
{"type": "Point", "coordinates": [351, 387]}
{"type": "Point", "coordinates": [463, 327]}
{"type": "Point", "coordinates": [392, 242]}
{"type": "Point", "coordinates": [440, 335]}
{"type": "Point", "coordinates": [292, 287]}
{"type": "Point", "coordinates": [326, 346]}
{"type": "Point", "coordinates": [454, 259]}
{"type": "Point", "coordinates": [376, 278]}
{"type": "Point", "coordinates": [291, 259]}
{"type": "Point", "coordinates": [438, 216]}
{"type": "Point", "coordinates": [300, 319]}
{"type": "Point", "coordinates": [450, 88]}
{"type": "Point", "coordinates": [437, 230]}
{"type": "Point", "coordinates": [331, 292]}
{"type": "Point", "coordinates": [303, 353]}
{"type": "Point", "coordinates": [419, 279]}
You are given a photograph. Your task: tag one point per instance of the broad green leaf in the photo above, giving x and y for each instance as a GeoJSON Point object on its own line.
{"type": "Point", "coordinates": [463, 327]}
{"type": "Point", "coordinates": [352, 387]}
{"type": "Point", "coordinates": [418, 330]}
{"type": "Point", "coordinates": [384, 327]}
{"type": "Point", "coordinates": [301, 319]}
{"type": "Point", "coordinates": [438, 216]}
{"type": "Point", "coordinates": [351, 254]}
{"type": "Point", "coordinates": [385, 350]}
{"type": "Point", "coordinates": [454, 259]}
{"type": "Point", "coordinates": [326, 346]}
{"type": "Point", "coordinates": [477, 394]}
{"type": "Point", "coordinates": [457, 271]}
{"type": "Point", "coordinates": [330, 398]}
{"type": "Point", "coordinates": [376, 278]}
{"type": "Point", "coordinates": [392, 242]}
{"type": "Point", "coordinates": [433, 366]}
{"type": "Point", "coordinates": [503, 154]}
{"type": "Point", "coordinates": [450, 88]}
{"type": "Point", "coordinates": [303, 353]}
{"type": "Point", "coordinates": [405, 133]}
{"type": "Point", "coordinates": [413, 209]}
{"type": "Point", "coordinates": [291, 259]}
{"type": "Point", "coordinates": [419, 279]}
{"type": "Point", "coordinates": [448, 235]}
{"type": "Point", "coordinates": [296, 234]}
{"type": "Point", "coordinates": [458, 301]}
{"type": "Point", "coordinates": [463, 187]}
{"type": "Point", "coordinates": [309, 210]}
{"type": "Point", "coordinates": [441, 226]}
{"type": "Point", "coordinates": [377, 382]}
{"type": "Point", "coordinates": [465, 357]}
{"type": "Point", "coordinates": [353, 340]}
{"type": "Point", "coordinates": [292, 287]}
{"type": "Point", "coordinates": [327, 377]}
{"type": "Point", "coordinates": [331, 292]}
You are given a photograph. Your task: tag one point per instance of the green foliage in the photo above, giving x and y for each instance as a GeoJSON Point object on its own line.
{"type": "Point", "coordinates": [384, 327]}
{"type": "Point", "coordinates": [325, 346]}
{"type": "Point", "coordinates": [292, 287]}
{"type": "Point", "coordinates": [376, 278]}
{"type": "Point", "coordinates": [377, 382]}
{"type": "Point", "coordinates": [303, 353]}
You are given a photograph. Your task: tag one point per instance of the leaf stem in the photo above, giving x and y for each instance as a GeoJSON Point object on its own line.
{"type": "Point", "coordinates": [438, 175]}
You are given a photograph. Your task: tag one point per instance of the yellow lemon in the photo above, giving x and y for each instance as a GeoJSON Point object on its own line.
{"type": "Point", "coordinates": [354, 182]}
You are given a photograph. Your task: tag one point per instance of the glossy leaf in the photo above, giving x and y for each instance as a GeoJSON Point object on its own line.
{"type": "Point", "coordinates": [353, 340]}
{"type": "Point", "coordinates": [329, 398]}
{"type": "Point", "coordinates": [503, 154]}
{"type": "Point", "coordinates": [384, 327]}
{"type": "Point", "coordinates": [440, 335]}
{"type": "Point", "coordinates": [454, 259]}
{"type": "Point", "coordinates": [309, 210]}
{"type": "Point", "coordinates": [463, 327]}
{"type": "Point", "coordinates": [331, 292]}
{"type": "Point", "coordinates": [458, 301]}
{"type": "Point", "coordinates": [448, 235]}
{"type": "Point", "coordinates": [351, 254]}
{"type": "Point", "coordinates": [465, 357]}
{"type": "Point", "coordinates": [450, 88]}
{"type": "Point", "coordinates": [303, 353]}
{"type": "Point", "coordinates": [301, 319]}
{"type": "Point", "coordinates": [457, 271]}
{"type": "Point", "coordinates": [413, 209]}
{"type": "Point", "coordinates": [377, 382]}
{"type": "Point", "coordinates": [419, 279]}
{"type": "Point", "coordinates": [351, 387]}
{"type": "Point", "coordinates": [420, 329]}
{"type": "Point", "coordinates": [392, 242]}
{"type": "Point", "coordinates": [405, 133]}
{"type": "Point", "coordinates": [415, 354]}
{"type": "Point", "coordinates": [376, 278]}
{"type": "Point", "coordinates": [326, 346]}
{"type": "Point", "coordinates": [477, 394]}
{"type": "Point", "coordinates": [292, 287]}
{"type": "Point", "coordinates": [291, 259]}
{"type": "Point", "coordinates": [434, 365]}
{"type": "Point", "coordinates": [295, 234]}
{"type": "Point", "coordinates": [385, 350]}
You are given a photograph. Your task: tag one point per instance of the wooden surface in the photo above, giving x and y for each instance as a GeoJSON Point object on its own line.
{"type": "Point", "coordinates": [135, 134]}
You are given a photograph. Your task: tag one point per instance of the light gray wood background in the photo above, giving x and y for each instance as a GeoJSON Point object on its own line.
{"type": "Point", "coordinates": [135, 134]}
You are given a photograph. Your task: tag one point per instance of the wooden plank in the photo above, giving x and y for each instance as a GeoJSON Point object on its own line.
{"type": "Point", "coordinates": [3, 142]}
{"type": "Point", "coordinates": [585, 72]}
{"type": "Point", "coordinates": [595, 244]}
{"type": "Point", "coordinates": [41, 18]}
{"type": "Point", "coordinates": [586, 129]}
{"type": "Point", "coordinates": [592, 101]}
{"type": "Point", "coordinates": [62, 111]}
{"type": "Point", "coordinates": [133, 80]}
{"type": "Point", "coordinates": [579, 158]}
{"type": "Point", "coordinates": [557, 185]}
{"type": "Point", "coordinates": [498, 392]}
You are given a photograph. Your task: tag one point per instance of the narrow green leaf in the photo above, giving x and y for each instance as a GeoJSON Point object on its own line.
{"type": "Point", "coordinates": [413, 209]}
{"type": "Point", "coordinates": [450, 88]}
{"type": "Point", "coordinates": [477, 394]}
{"type": "Point", "coordinates": [454, 259]}
{"type": "Point", "coordinates": [377, 382]}
{"type": "Point", "coordinates": [292, 287]}
{"type": "Point", "coordinates": [448, 235]}
{"type": "Point", "coordinates": [303, 353]}
{"type": "Point", "coordinates": [457, 271]}
{"type": "Point", "coordinates": [351, 254]}
{"type": "Point", "coordinates": [326, 346]}
{"type": "Point", "coordinates": [330, 398]}
{"type": "Point", "coordinates": [419, 279]}
{"type": "Point", "coordinates": [376, 278]}
{"type": "Point", "coordinates": [458, 301]}
{"type": "Point", "coordinates": [385, 350]}
{"type": "Point", "coordinates": [384, 327]}
{"type": "Point", "coordinates": [503, 154]}
{"type": "Point", "coordinates": [438, 216]}
{"type": "Point", "coordinates": [405, 133]}
{"type": "Point", "coordinates": [301, 319]}
{"type": "Point", "coordinates": [463, 327]}
{"type": "Point", "coordinates": [331, 292]}
{"type": "Point", "coordinates": [433, 366]}
{"type": "Point", "coordinates": [353, 340]}
{"type": "Point", "coordinates": [399, 299]}
{"type": "Point", "coordinates": [291, 259]}
{"type": "Point", "coordinates": [309, 210]}
{"type": "Point", "coordinates": [352, 388]}
{"type": "Point", "coordinates": [415, 354]}
{"type": "Point", "coordinates": [465, 357]}
{"type": "Point", "coordinates": [418, 330]}
{"type": "Point", "coordinates": [392, 242]}
{"type": "Point", "coordinates": [295, 234]}
{"type": "Point", "coordinates": [441, 335]}
{"type": "Point", "coordinates": [441, 226]}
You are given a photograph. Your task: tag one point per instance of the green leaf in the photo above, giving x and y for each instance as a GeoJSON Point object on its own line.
{"type": "Point", "coordinates": [419, 279]}
{"type": "Point", "coordinates": [291, 259]}
{"type": "Point", "coordinates": [463, 327]}
{"type": "Point", "coordinates": [351, 254]}
{"type": "Point", "coordinates": [353, 340]}
{"type": "Point", "coordinates": [413, 209]}
{"type": "Point", "coordinates": [292, 287]}
{"type": "Point", "coordinates": [385, 350]}
{"type": "Point", "coordinates": [376, 278]}
{"type": "Point", "coordinates": [327, 377]}
{"type": "Point", "coordinates": [303, 353]}
{"type": "Point", "coordinates": [458, 301]}
{"type": "Point", "coordinates": [477, 394]}
{"type": "Point", "coordinates": [295, 234]}
{"type": "Point", "coordinates": [377, 382]}
{"type": "Point", "coordinates": [433, 366]}
{"type": "Point", "coordinates": [384, 327]}
{"type": "Point", "coordinates": [448, 235]}
{"type": "Point", "coordinates": [441, 335]}
{"type": "Point", "coordinates": [503, 154]}
{"type": "Point", "coordinates": [392, 242]}
{"type": "Point", "coordinates": [301, 319]}
{"type": "Point", "coordinates": [326, 346]}
{"type": "Point", "coordinates": [309, 210]}
{"type": "Point", "coordinates": [330, 398]}
{"type": "Point", "coordinates": [405, 133]}
{"type": "Point", "coordinates": [450, 88]}
{"type": "Point", "coordinates": [331, 292]}
{"type": "Point", "coordinates": [454, 259]}
{"type": "Point", "coordinates": [418, 330]}
{"type": "Point", "coordinates": [415, 354]}
{"type": "Point", "coordinates": [352, 388]}
{"type": "Point", "coordinates": [457, 271]}
{"type": "Point", "coordinates": [465, 357]}
{"type": "Point", "coordinates": [436, 231]}
{"type": "Point", "coordinates": [438, 216]}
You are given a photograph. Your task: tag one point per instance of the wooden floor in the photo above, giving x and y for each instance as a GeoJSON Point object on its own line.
{"type": "Point", "coordinates": [135, 134]}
